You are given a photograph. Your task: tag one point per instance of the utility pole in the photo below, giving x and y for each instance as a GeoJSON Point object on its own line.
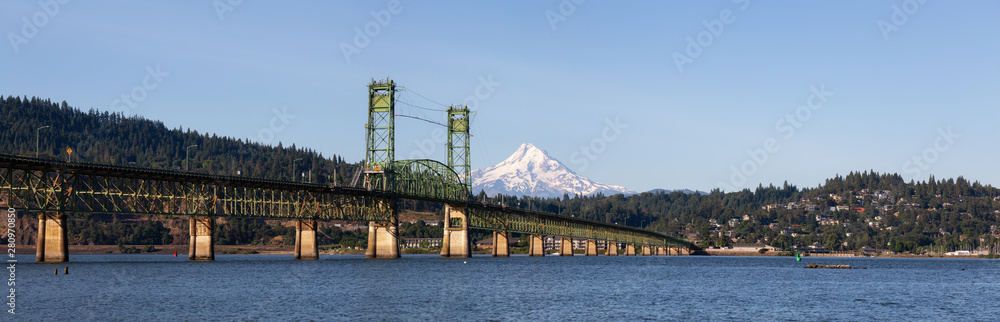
{"type": "Point", "coordinates": [36, 139]}
{"type": "Point", "coordinates": [187, 156]}
{"type": "Point", "coordinates": [293, 168]}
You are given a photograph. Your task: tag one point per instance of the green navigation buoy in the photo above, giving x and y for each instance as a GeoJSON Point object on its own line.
{"type": "Point", "coordinates": [798, 257]}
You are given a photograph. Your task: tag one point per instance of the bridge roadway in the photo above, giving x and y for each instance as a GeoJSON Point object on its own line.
{"type": "Point", "coordinates": [56, 188]}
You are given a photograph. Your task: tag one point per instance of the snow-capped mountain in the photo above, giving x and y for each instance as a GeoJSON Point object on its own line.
{"type": "Point", "coordinates": [531, 171]}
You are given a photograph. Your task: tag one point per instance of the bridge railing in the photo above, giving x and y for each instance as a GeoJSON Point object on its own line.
{"type": "Point", "coordinates": [55, 186]}
{"type": "Point", "coordinates": [498, 218]}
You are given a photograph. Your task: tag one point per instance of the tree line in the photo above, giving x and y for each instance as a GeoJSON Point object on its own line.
{"type": "Point", "coordinates": [113, 138]}
{"type": "Point", "coordinates": [948, 213]}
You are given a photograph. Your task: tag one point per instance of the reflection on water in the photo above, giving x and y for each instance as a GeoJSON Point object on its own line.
{"type": "Point", "coordinates": [427, 287]}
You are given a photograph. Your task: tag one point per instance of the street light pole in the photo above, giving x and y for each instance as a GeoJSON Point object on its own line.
{"type": "Point", "coordinates": [293, 168]}
{"type": "Point", "coordinates": [187, 157]}
{"type": "Point", "coordinates": [36, 139]}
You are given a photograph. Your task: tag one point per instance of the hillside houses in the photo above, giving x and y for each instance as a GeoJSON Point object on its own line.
{"type": "Point", "coordinates": [849, 215]}
{"type": "Point", "coordinates": [826, 220]}
{"type": "Point", "coordinates": [792, 206]}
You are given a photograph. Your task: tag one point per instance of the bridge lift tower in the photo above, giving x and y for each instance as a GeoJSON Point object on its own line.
{"type": "Point", "coordinates": [455, 242]}
{"type": "Point", "coordinates": [458, 143]}
{"type": "Point", "coordinates": [383, 237]}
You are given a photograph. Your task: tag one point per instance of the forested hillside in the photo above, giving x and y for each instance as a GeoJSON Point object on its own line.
{"type": "Point", "coordinates": [103, 137]}
{"type": "Point", "coordinates": [861, 209]}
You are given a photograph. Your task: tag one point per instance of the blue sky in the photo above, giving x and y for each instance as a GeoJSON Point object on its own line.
{"type": "Point", "coordinates": [596, 84]}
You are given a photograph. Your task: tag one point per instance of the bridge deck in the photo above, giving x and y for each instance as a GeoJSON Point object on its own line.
{"type": "Point", "coordinates": [76, 187]}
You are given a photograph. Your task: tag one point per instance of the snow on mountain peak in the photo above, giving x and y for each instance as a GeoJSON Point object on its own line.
{"type": "Point", "coordinates": [531, 171]}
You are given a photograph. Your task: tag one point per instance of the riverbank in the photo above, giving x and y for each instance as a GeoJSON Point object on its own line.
{"type": "Point", "coordinates": [170, 249]}
{"type": "Point", "coordinates": [219, 250]}
{"type": "Point", "coordinates": [835, 254]}
{"type": "Point", "coordinates": [290, 250]}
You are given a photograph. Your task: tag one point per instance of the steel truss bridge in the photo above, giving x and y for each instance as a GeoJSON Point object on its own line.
{"type": "Point", "coordinates": [51, 186]}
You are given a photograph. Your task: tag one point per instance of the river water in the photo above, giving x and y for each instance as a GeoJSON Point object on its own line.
{"type": "Point", "coordinates": [427, 287]}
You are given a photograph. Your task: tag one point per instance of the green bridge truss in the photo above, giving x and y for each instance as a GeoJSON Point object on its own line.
{"type": "Point", "coordinates": [56, 186]}
{"type": "Point", "coordinates": [44, 185]}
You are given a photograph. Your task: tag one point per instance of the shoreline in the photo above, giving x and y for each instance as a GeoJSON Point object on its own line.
{"type": "Point", "coordinates": [290, 250]}
{"type": "Point", "coordinates": [167, 249]}
{"type": "Point", "coordinates": [838, 255]}
{"type": "Point", "coordinates": [182, 250]}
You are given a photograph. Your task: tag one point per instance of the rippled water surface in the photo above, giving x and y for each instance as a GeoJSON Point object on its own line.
{"type": "Point", "coordinates": [427, 287]}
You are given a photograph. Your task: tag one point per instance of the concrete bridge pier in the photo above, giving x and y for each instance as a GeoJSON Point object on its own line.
{"type": "Point", "coordinates": [612, 248]}
{"type": "Point", "coordinates": [383, 239]}
{"type": "Point", "coordinates": [51, 242]}
{"type": "Point", "coordinates": [501, 244]}
{"type": "Point", "coordinates": [630, 250]}
{"type": "Point", "coordinates": [678, 250]}
{"type": "Point", "coordinates": [455, 242]}
{"type": "Point", "coordinates": [661, 250]}
{"type": "Point", "coordinates": [306, 246]}
{"type": "Point", "coordinates": [646, 250]}
{"type": "Point", "coordinates": [566, 247]}
{"type": "Point", "coordinates": [591, 249]}
{"type": "Point", "coordinates": [536, 246]}
{"type": "Point", "coordinates": [201, 247]}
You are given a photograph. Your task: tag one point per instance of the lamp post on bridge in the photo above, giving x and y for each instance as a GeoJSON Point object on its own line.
{"type": "Point", "coordinates": [36, 139]}
{"type": "Point", "coordinates": [293, 168]}
{"type": "Point", "coordinates": [187, 157]}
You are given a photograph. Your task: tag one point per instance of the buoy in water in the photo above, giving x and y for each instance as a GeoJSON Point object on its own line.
{"type": "Point", "coordinates": [175, 253]}
{"type": "Point", "coordinates": [66, 270]}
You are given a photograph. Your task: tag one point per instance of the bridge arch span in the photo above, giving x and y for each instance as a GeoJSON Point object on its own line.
{"type": "Point", "coordinates": [430, 180]}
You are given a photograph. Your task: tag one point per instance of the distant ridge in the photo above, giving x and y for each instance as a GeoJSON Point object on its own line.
{"type": "Point", "coordinates": [687, 191]}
